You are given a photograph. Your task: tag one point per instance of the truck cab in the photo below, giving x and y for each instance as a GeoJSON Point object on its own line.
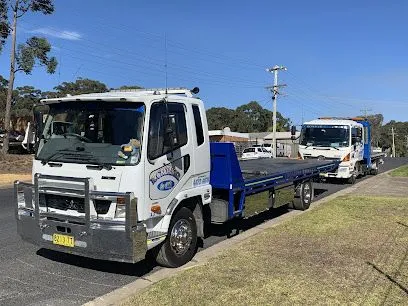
{"type": "Point", "coordinates": [347, 140]}
{"type": "Point", "coordinates": [110, 170]}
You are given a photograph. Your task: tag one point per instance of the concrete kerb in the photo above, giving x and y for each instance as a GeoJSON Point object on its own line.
{"type": "Point", "coordinates": [121, 294]}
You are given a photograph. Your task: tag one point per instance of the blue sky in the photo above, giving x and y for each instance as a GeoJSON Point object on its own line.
{"type": "Point", "coordinates": [342, 56]}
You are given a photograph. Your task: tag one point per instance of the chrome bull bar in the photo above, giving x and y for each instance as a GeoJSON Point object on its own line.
{"type": "Point", "coordinates": [29, 213]}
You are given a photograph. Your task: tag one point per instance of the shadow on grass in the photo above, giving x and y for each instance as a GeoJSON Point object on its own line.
{"type": "Point", "coordinates": [233, 227]}
{"type": "Point", "coordinates": [389, 277]}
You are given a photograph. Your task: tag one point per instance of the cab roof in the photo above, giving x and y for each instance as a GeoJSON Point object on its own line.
{"type": "Point", "coordinates": [333, 122]}
{"type": "Point", "coordinates": [132, 95]}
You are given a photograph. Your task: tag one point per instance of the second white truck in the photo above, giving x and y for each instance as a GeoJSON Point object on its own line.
{"type": "Point", "coordinates": [342, 139]}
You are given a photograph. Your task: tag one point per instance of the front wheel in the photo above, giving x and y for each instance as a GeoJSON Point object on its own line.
{"type": "Point", "coordinates": [352, 179]}
{"type": "Point", "coordinates": [181, 243]}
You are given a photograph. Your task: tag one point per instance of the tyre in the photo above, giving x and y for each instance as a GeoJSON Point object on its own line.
{"type": "Point", "coordinates": [181, 243]}
{"type": "Point", "coordinates": [304, 196]}
{"type": "Point", "coordinates": [351, 180]}
{"type": "Point", "coordinates": [376, 170]}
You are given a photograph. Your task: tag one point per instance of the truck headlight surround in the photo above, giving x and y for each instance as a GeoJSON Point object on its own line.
{"type": "Point", "coordinates": [120, 211]}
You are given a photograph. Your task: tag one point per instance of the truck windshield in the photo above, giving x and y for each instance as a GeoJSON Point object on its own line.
{"type": "Point", "coordinates": [325, 136]}
{"type": "Point", "coordinates": [95, 132]}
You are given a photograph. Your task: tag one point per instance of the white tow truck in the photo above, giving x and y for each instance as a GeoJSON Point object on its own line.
{"type": "Point", "coordinates": [119, 173]}
{"type": "Point", "coordinates": [343, 139]}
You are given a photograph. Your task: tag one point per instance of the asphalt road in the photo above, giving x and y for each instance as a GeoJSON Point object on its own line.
{"type": "Point", "coordinates": [33, 276]}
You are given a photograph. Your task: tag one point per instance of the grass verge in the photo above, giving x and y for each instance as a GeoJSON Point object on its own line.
{"type": "Point", "coordinates": [16, 163]}
{"type": "Point", "coordinates": [9, 178]}
{"type": "Point", "coordinates": [351, 250]}
{"type": "Point", "coordinates": [400, 172]}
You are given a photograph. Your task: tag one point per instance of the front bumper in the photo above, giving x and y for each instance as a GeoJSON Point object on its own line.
{"type": "Point", "coordinates": [341, 173]}
{"type": "Point", "coordinates": [95, 238]}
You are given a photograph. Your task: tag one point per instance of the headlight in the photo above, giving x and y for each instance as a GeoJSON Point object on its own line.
{"type": "Point", "coordinates": [120, 207]}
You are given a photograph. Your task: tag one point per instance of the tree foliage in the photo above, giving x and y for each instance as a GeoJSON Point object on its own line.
{"type": "Point", "coordinates": [80, 86]}
{"type": "Point", "coordinates": [400, 134]}
{"type": "Point", "coordinates": [4, 23]}
{"type": "Point", "coordinates": [125, 87]}
{"type": "Point", "coordinates": [220, 117]}
{"type": "Point", "coordinates": [35, 48]}
{"type": "Point", "coordinates": [376, 122]}
{"type": "Point", "coordinates": [23, 57]}
{"type": "Point", "coordinates": [247, 118]}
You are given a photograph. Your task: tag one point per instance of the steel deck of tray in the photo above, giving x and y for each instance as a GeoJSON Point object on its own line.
{"type": "Point", "coordinates": [259, 168]}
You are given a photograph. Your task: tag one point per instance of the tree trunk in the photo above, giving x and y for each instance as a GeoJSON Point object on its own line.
{"type": "Point", "coordinates": [11, 81]}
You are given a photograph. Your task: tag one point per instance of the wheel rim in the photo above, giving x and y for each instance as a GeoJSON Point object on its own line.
{"type": "Point", "coordinates": [307, 193]}
{"type": "Point", "coordinates": [181, 237]}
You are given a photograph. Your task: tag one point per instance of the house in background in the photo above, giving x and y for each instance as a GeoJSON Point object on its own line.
{"type": "Point", "coordinates": [226, 135]}
{"type": "Point", "coordinates": [286, 147]}
{"type": "Point", "coordinates": [258, 138]}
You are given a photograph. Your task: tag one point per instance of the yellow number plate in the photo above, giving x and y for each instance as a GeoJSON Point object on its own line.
{"type": "Point", "coordinates": [64, 240]}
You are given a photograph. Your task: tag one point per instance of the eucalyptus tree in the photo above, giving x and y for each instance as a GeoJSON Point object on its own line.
{"type": "Point", "coordinates": [24, 56]}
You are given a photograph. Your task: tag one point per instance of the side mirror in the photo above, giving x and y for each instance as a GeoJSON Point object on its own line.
{"type": "Point", "coordinates": [293, 132]}
{"type": "Point", "coordinates": [39, 111]}
{"type": "Point", "coordinates": [38, 127]}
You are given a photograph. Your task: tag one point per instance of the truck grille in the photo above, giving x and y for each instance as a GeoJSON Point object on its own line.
{"type": "Point", "coordinates": [315, 157]}
{"type": "Point", "coordinates": [72, 203]}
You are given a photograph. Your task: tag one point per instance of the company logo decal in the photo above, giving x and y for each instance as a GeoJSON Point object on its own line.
{"type": "Point", "coordinates": [167, 170]}
{"type": "Point", "coordinates": [165, 185]}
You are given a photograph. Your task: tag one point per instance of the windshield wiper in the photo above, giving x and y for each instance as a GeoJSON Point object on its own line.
{"type": "Point", "coordinates": [80, 137]}
{"type": "Point", "coordinates": [100, 165]}
{"type": "Point", "coordinates": [48, 159]}
{"type": "Point", "coordinates": [91, 160]}
{"type": "Point", "coordinates": [323, 146]}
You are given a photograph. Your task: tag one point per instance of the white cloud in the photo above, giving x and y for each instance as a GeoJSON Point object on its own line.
{"type": "Point", "coordinates": [67, 35]}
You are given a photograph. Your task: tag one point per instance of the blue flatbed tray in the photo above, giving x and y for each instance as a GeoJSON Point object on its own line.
{"type": "Point", "coordinates": [259, 168]}
{"type": "Point", "coordinates": [260, 174]}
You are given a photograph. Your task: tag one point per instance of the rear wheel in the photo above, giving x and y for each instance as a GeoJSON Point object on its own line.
{"type": "Point", "coordinates": [304, 196]}
{"type": "Point", "coordinates": [181, 243]}
{"type": "Point", "coordinates": [377, 168]}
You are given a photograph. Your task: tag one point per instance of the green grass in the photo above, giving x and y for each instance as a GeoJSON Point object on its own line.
{"type": "Point", "coordinates": [344, 252]}
{"type": "Point", "coordinates": [400, 172]}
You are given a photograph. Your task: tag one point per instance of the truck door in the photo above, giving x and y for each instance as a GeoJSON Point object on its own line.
{"type": "Point", "coordinates": [169, 154]}
{"type": "Point", "coordinates": [357, 143]}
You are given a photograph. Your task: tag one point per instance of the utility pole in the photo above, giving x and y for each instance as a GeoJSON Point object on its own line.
{"type": "Point", "coordinates": [393, 141]}
{"type": "Point", "coordinates": [406, 139]}
{"type": "Point", "coordinates": [365, 111]}
{"type": "Point", "coordinates": [275, 92]}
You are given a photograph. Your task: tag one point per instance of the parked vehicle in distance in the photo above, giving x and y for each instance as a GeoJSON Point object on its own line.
{"type": "Point", "coordinates": [15, 139]}
{"type": "Point", "coordinates": [255, 153]}
{"type": "Point", "coordinates": [266, 146]}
